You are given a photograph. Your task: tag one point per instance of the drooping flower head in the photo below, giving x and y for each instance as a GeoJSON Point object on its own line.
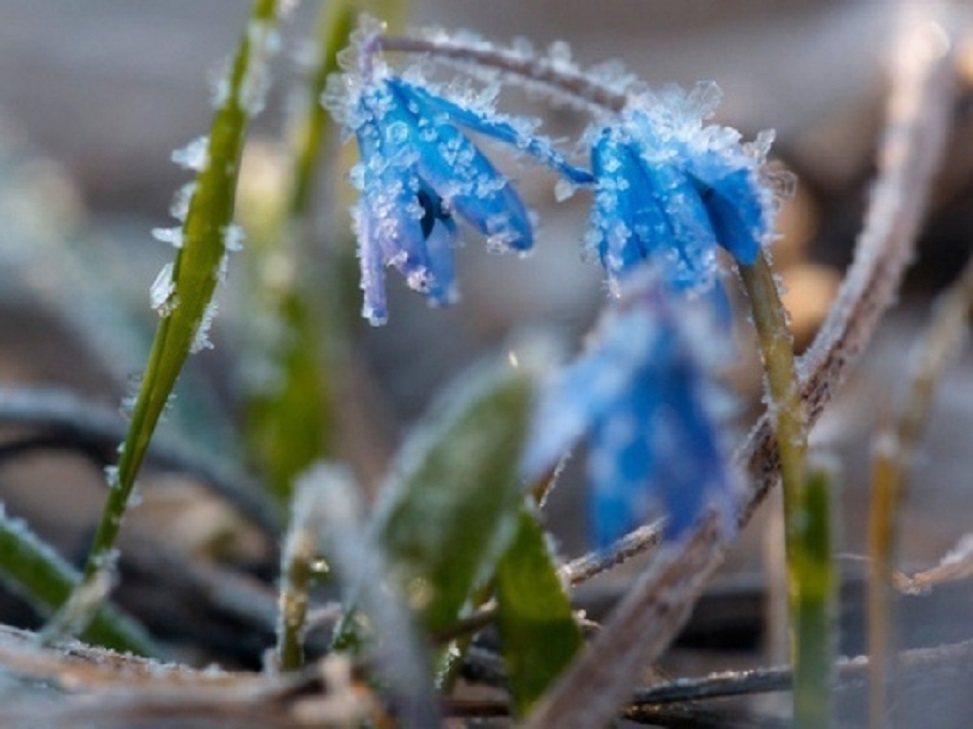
{"type": "Point", "coordinates": [669, 187]}
{"type": "Point", "coordinates": [641, 394]}
{"type": "Point", "coordinates": [419, 172]}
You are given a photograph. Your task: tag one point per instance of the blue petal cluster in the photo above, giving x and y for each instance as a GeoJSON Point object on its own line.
{"type": "Point", "coordinates": [418, 172]}
{"type": "Point", "coordinates": [670, 188]}
{"type": "Point", "coordinates": [639, 394]}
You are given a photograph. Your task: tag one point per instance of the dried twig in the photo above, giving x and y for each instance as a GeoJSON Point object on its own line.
{"type": "Point", "coordinates": [94, 429]}
{"type": "Point", "coordinates": [631, 545]}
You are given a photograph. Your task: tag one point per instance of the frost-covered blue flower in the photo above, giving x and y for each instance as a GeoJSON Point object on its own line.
{"type": "Point", "coordinates": [642, 395]}
{"type": "Point", "coordinates": [419, 172]}
{"type": "Point", "coordinates": [670, 188]}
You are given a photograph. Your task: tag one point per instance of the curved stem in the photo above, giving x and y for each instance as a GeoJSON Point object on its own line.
{"type": "Point", "coordinates": [572, 84]}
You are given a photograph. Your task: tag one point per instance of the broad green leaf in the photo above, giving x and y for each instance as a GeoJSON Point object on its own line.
{"type": "Point", "coordinates": [537, 628]}
{"type": "Point", "coordinates": [33, 570]}
{"type": "Point", "coordinates": [451, 503]}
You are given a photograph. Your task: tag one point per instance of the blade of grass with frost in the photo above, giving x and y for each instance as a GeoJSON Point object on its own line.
{"type": "Point", "coordinates": [450, 507]}
{"type": "Point", "coordinates": [33, 570]}
{"type": "Point", "coordinates": [186, 300]}
{"type": "Point", "coordinates": [538, 633]}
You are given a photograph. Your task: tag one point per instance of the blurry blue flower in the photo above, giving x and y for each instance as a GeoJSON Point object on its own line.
{"type": "Point", "coordinates": [670, 189]}
{"type": "Point", "coordinates": [418, 172]}
{"type": "Point", "coordinates": [641, 395]}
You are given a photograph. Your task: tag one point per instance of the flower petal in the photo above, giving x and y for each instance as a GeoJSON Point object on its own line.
{"type": "Point", "coordinates": [469, 184]}
{"type": "Point", "coordinates": [736, 202]}
{"type": "Point", "coordinates": [493, 126]}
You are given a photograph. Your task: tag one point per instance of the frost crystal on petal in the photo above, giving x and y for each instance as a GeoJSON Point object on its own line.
{"type": "Point", "coordinates": [194, 156]}
{"type": "Point", "coordinates": [670, 188]}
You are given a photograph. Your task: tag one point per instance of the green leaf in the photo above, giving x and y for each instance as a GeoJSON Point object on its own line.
{"type": "Point", "coordinates": [537, 628]}
{"type": "Point", "coordinates": [450, 506]}
{"type": "Point", "coordinates": [33, 570]}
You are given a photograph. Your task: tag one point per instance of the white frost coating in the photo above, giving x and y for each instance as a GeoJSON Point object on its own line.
{"type": "Point", "coordinates": [264, 42]}
{"type": "Point", "coordinates": [564, 189]}
{"type": "Point", "coordinates": [194, 156]}
{"type": "Point", "coordinates": [162, 290]}
{"type": "Point", "coordinates": [962, 552]}
{"type": "Point", "coordinates": [179, 208]}
{"type": "Point", "coordinates": [233, 238]}
{"type": "Point", "coordinates": [172, 236]}
{"type": "Point", "coordinates": [201, 338]}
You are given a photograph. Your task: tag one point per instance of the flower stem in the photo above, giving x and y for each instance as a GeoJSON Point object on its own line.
{"type": "Point", "coordinates": [787, 410]}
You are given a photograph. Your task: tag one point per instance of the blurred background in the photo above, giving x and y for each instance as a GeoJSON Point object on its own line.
{"type": "Point", "coordinates": [95, 95]}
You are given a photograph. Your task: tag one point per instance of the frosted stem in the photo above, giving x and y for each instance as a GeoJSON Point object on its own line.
{"type": "Point", "coordinates": [892, 452]}
{"type": "Point", "coordinates": [574, 85]}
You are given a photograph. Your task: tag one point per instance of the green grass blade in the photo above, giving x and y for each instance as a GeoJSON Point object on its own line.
{"type": "Point", "coordinates": [185, 303]}
{"type": "Point", "coordinates": [537, 627]}
{"type": "Point", "coordinates": [33, 570]}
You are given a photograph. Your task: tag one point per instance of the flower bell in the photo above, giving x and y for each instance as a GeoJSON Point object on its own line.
{"type": "Point", "coordinates": [641, 395]}
{"type": "Point", "coordinates": [670, 188]}
{"type": "Point", "coordinates": [418, 173]}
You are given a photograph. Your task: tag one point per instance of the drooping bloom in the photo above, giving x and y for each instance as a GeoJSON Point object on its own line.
{"type": "Point", "coordinates": [641, 394]}
{"type": "Point", "coordinates": [670, 188]}
{"type": "Point", "coordinates": [418, 173]}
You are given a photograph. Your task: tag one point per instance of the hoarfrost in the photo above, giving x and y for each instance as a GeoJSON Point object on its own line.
{"type": "Point", "coordinates": [194, 156]}
{"type": "Point", "coordinates": [264, 42]}
{"type": "Point", "coordinates": [564, 189]}
{"type": "Point", "coordinates": [201, 338]}
{"type": "Point", "coordinates": [162, 290]}
{"type": "Point", "coordinates": [233, 238]}
{"type": "Point", "coordinates": [179, 208]}
{"type": "Point", "coordinates": [172, 236]}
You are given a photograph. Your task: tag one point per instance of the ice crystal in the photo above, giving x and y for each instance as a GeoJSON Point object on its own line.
{"type": "Point", "coordinates": [162, 291]}
{"type": "Point", "coordinates": [194, 156]}
{"type": "Point", "coordinates": [172, 236]}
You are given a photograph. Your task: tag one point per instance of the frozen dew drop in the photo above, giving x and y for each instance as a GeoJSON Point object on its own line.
{"type": "Point", "coordinates": [194, 156]}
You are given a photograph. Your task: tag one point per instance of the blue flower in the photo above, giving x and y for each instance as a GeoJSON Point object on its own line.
{"type": "Point", "coordinates": [641, 396]}
{"type": "Point", "coordinates": [418, 173]}
{"type": "Point", "coordinates": [670, 189]}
